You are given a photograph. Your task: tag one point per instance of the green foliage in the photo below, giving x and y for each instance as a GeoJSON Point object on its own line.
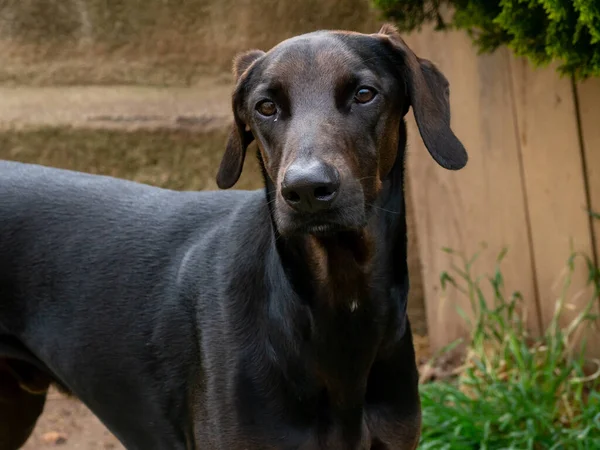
{"type": "Point", "coordinates": [567, 31]}
{"type": "Point", "coordinates": [515, 390]}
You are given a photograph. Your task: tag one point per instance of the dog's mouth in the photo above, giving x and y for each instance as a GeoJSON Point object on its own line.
{"type": "Point", "coordinates": [324, 224]}
{"type": "Point", "coordinates": [324, 229]}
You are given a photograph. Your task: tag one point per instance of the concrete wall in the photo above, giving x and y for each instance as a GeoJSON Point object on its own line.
{"type": "Point", "coordinates": [196, 36]}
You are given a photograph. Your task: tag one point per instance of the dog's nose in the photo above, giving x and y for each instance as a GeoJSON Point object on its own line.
{"type": "Point", "coordinates": [310, 186]}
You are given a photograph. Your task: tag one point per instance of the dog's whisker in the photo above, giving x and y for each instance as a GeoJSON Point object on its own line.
{"type": "Point", "coordinates": [373, 58]}
{"type": "Point", "coordinates": [383, 209]}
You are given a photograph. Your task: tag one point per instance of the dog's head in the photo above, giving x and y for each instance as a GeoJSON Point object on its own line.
{"type": "Point", "coordinates": [326, 110]}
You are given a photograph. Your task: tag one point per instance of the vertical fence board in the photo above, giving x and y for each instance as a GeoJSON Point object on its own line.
{"type": "Point", "coordinates": [554, 181]}
{"type": "Point", "coordinates": [589, 112]}
{"type": "Point", "coordinates": [483, 202]}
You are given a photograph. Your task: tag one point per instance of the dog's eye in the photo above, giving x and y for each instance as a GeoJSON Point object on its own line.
{"type": "Point", "coordinates": [266, 108]}
{"type": "Point", "coordinates": [365, 95]}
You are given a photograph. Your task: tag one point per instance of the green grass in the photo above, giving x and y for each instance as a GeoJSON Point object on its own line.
{"type": "Point", "coordinates": [515, 390]}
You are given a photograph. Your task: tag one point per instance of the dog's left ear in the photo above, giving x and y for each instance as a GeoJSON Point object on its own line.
{"type": "Point", "coordinates": [240, 137]}
{"type": "Point", "coordinates": [429, 93]}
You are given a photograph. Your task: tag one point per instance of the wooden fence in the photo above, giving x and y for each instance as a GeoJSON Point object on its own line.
{"type": "Point", "coordinates": [533, 175]}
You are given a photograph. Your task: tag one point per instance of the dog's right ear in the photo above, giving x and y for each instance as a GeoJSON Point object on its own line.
{"type": "Point", "coordinates": [240, 136]}
{"type": "Point", "coordinates": [429, 94]}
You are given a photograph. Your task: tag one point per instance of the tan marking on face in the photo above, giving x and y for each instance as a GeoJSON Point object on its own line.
{"type": "Point", "coordinates": [335, 285]}
{"type": "Point", "coordinates": [264, 156]}
{"type": "Point", "coordinates": [33, 389]}
{"type": "Point", "coordinates": [319, 257]}
{"type": "Point", "coordinates": [388, 150]}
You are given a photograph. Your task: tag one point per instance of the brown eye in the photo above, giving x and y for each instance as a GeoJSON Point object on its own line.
{"type": "Point", "coordinates": [266, 108]}
{"type": "Point", "coordinates": [365, 95]}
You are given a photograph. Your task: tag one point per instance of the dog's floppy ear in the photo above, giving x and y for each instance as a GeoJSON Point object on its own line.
{"type": "Point", "coordinates": [429, 93]}
{"type": "Point", "coordinates": [240, 137]}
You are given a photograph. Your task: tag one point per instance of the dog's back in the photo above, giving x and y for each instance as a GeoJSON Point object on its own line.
{"type": "Point", "coordinates": [64, 225]}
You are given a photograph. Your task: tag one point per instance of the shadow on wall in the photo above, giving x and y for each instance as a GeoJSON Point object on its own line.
{"type": "Point", "coordinates": [190, 37]}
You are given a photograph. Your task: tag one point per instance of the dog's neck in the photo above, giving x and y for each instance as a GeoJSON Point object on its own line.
{"type": "Point", "coordinates": [348, 296]}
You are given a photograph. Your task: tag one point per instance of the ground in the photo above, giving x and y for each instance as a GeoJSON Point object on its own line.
{"type": "Point", "coordinates": [69, 425]}
{"type": "Point", "coordinates": [125, 131]}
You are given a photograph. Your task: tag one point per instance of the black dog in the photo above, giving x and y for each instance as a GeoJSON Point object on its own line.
{"type": "Point", "coordinates": [273, 319]}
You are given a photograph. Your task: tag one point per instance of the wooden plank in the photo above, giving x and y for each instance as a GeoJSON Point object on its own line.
{"type": "Point", "coordinates": [589, 113]}
{"type": "Point", "coordinates": [481, 203]}
{"type": "Point", "coordinates": [554, 181]}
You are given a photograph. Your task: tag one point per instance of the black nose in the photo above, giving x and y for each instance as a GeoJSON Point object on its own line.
{"type": "Point", "coordinates": [310, 186]}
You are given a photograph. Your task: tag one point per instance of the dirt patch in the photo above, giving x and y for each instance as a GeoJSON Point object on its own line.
{"type": "Point", "coordinates": [68, 425]}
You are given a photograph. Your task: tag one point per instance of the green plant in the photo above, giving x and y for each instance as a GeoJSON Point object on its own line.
{"type": "Point", "coordinates": [542, 30]}
{"type": "Point", "coordinates": [515, 390]}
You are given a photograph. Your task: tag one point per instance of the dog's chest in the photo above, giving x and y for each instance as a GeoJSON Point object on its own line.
{"type": "Point", "coordinates": [321, 400]}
